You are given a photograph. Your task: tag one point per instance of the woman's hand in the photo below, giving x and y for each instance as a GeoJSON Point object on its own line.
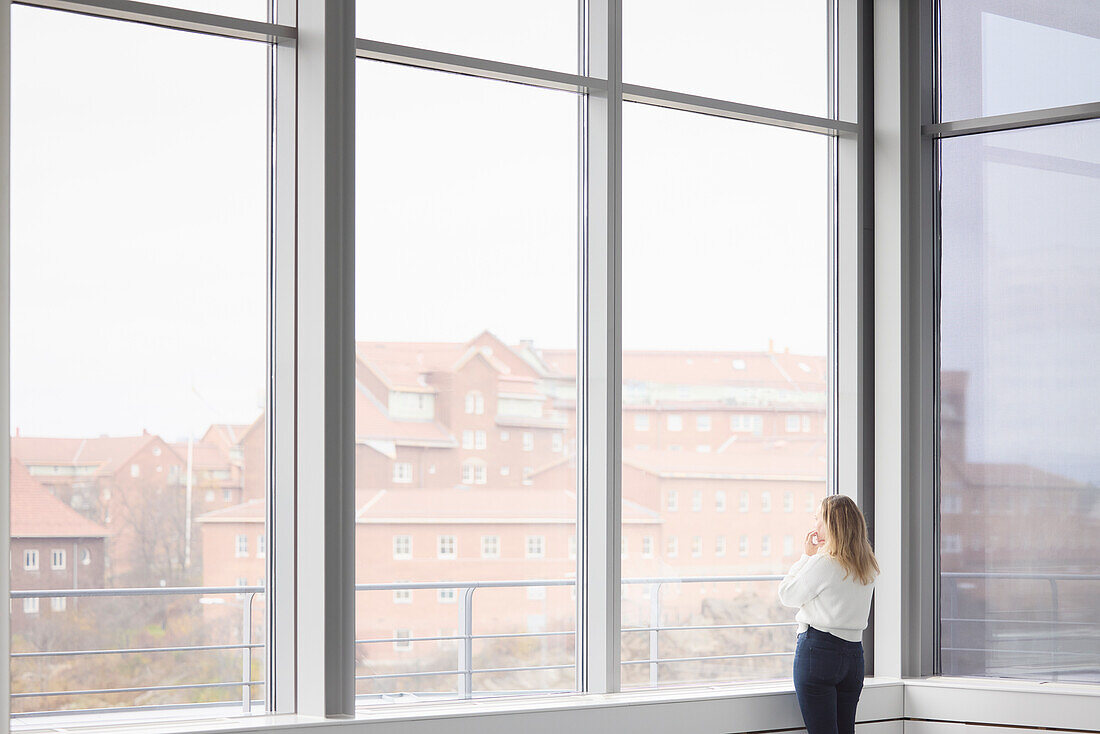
{"type": "Point", "coordinates": [810, 546]}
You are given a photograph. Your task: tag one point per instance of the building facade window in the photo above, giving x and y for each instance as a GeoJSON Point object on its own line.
{"type": "Point", "coordinates": [402, 472]}
{"type": "Point", "coordinates": [702, 423]}
{"type": "Point", "coordinates": [536, 546]}
{"type": "Point", "coordinates": [57, 559]}
{"type": "Point", "coordinates": [641, 422]}
{"type": "Point", "coordinates": [672, 502]}
{"type": "Point", "coordinates": [674, 422]}
{"type": "Point", "coordinates": [720, 546]}
{"type": "Point", "coordinates": [490, 546]}
{"type": "Point", "coordinates": [241, 546]}
{"type": "Point", "coordinates": [528, 441]}
{"type": "Point", "coordinates": [448, 547]}
{"type": "Point", "coordinates": [720, 500]}
{"type": "Point", "coordinates": [402, 547]}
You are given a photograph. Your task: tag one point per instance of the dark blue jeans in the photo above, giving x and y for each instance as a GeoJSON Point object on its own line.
{"type": "Point", "coordinates": [828, 678]}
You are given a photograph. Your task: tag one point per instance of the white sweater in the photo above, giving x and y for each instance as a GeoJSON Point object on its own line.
{"type": "Point", "coordinates": [827, 601]}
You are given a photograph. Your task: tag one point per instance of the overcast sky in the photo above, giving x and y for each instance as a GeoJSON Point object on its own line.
{"type": "Point", "coordinates": [138, 200]}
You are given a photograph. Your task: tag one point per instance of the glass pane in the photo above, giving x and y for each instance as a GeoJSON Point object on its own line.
{"type": "Point", "coordinates": [542, 34]}
{"type": "Point", "coordinates": [998, 57]}
{"type": "Point", "coordinates": [771, 54]}
{"type": "Point", "coordinates": [725, 327]}
{"type": "Point", "coordinates": [466, 331]}
{"type": "Point", "coordinates": [1020, 339]}
{"type": "Point", "coordinates": [139, 247]}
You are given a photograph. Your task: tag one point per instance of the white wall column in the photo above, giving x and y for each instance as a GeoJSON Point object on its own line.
{"type": "Point", "coordinates": [903, 395]}
{"type": "Point", "coordinates": [600, 368]}
{"type": "Point", "coordinates": [325, 354]}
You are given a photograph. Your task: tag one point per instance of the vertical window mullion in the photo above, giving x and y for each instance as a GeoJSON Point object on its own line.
{"type": "Point", "coordinates": [280, 607]}
{"type": "Point", "coordinates": [600, 357]}
{"type": "Point", "coordinates": [324, 359]}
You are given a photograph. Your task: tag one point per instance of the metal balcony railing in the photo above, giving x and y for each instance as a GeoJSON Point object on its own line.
{"type": "Point", "coordinates": [465, 669]}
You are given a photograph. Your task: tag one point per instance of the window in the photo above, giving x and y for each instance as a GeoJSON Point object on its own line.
{"type": "Point", "coordinates": [765, 501]}
{"type": "Point", "coordinates": [702, 423]}
{"type": "Point", "coordinates": [674, 422]}
{"type": "Point", "coordinates": [480, 473]}
{"type": "Point", "coordinates": [743, 505]}
{"type": "Point", "coordinates": [227, 495]}
{"type": "Point", "coordinates": [30, 605]}
{"type": "Point", "coordinates": [572, 547]}
{"type": "Point", "coordinates": [697, 546]}
{"type": "Point", "coordinates": [480, 441]}
{"type": "Point", "coordinates": [536, 546]}
{"type": "Point", "coordinates": [1017, 346]}
{"type": "Point", "coordinates": [402, 596]}
{"type": "Point", "coordinates": [57, 559]}
{"type": "Point", "coordinates": [671, 547]}
{"type": "Point", "coordinates": [57, 603]}
{"type": "Point", "coordinates": [672, 503]}
{"type": "Point", "coordinates": [242, 546]}
{"type": "Point", "coordinates": [805, 424]}
{"type": "Point", "coordinates": [402, 547]}
{"type": "Point", "coordinates": [647, 546]}
{"type": "Point", "coordinates": [504, 470]}
{"type": "Point", "coordinates": [447, 596]}
{"type": "Point", "coordinates": [30, 560]}
{"type": "Point", "coordinates": [261, 546]}
{"type": "Point", "coordinates": [401, 639]}
{"type": "Point", "coordinates": [209, 496]}
{"type": "Point", "coordinates": [741, 423]}
{"type": "Point", "coordinates": [85, 557]}
{"type": "Point", "coordinates": [475, 403]}
{"type": "Point", "coordinates": [788, 502]}
{"type": "Point", "coordinates": [743, 545]}
{"type": "Point", "coordinates": [135, 470]}
{"type": "Point", "coordinates": [402, 472]}
{"type": "Point", "coordinates": [720, 546]}
{"type": "Point", "coordinates": [766, 545]}
{"type": "Point", "coordinates": [528, 441]}
{"type": "Point", "coordinates": [702, 449]}
{"type": "Point", "coordinates": [555, 443]}
{"type": "Point", "coordinates": [641, 422]}
{"type": "Point", "coordinates": [794, 423]}
{"type": "Point", "coordinates": [528, 472]}
{"type": "Point", "coordinates": [448, 547]}
{"type": "Point", "coordinates": [720, 500]}
{"type": "Point", "coordinates": [697, 500]}
{"type": "Point", "coordinates": [467, 439]}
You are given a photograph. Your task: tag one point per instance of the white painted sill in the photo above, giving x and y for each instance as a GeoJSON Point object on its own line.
{"type": "Point", "coordinates": [439, 710]}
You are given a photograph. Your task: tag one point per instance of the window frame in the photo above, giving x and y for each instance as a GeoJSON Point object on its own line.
{"type": "Point", "coordinates": [307, 301]}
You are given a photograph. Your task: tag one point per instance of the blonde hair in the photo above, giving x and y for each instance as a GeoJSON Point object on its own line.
{"type": "Point", "coordinates": [847, 541]}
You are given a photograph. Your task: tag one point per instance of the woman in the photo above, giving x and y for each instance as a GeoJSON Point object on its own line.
{"type": "Point", "coordinates": [831, 584]}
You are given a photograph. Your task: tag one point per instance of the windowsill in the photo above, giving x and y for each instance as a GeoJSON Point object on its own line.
{"type": "Point", "coordinates": [398, 712]}
{"type": "Point", "coordinates": [1005, 684]}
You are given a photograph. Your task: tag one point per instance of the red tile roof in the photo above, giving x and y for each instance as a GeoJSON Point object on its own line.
{"type": "Point", "coordinates": [35, 513]}
{"type": "Point", "coordinates": [106, 453]}
{"type": "Point", "coordinates": [251, 511]}
{"type": "Point", "coordinates": [798, 460]}
{"type": "Point", "coordinates": [761, 369]}
{"type": "Point", "coordinates": [442, 506]}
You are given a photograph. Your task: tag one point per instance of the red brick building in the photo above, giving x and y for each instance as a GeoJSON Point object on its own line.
{"type": "Point", "coordinates": [52, 547]}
